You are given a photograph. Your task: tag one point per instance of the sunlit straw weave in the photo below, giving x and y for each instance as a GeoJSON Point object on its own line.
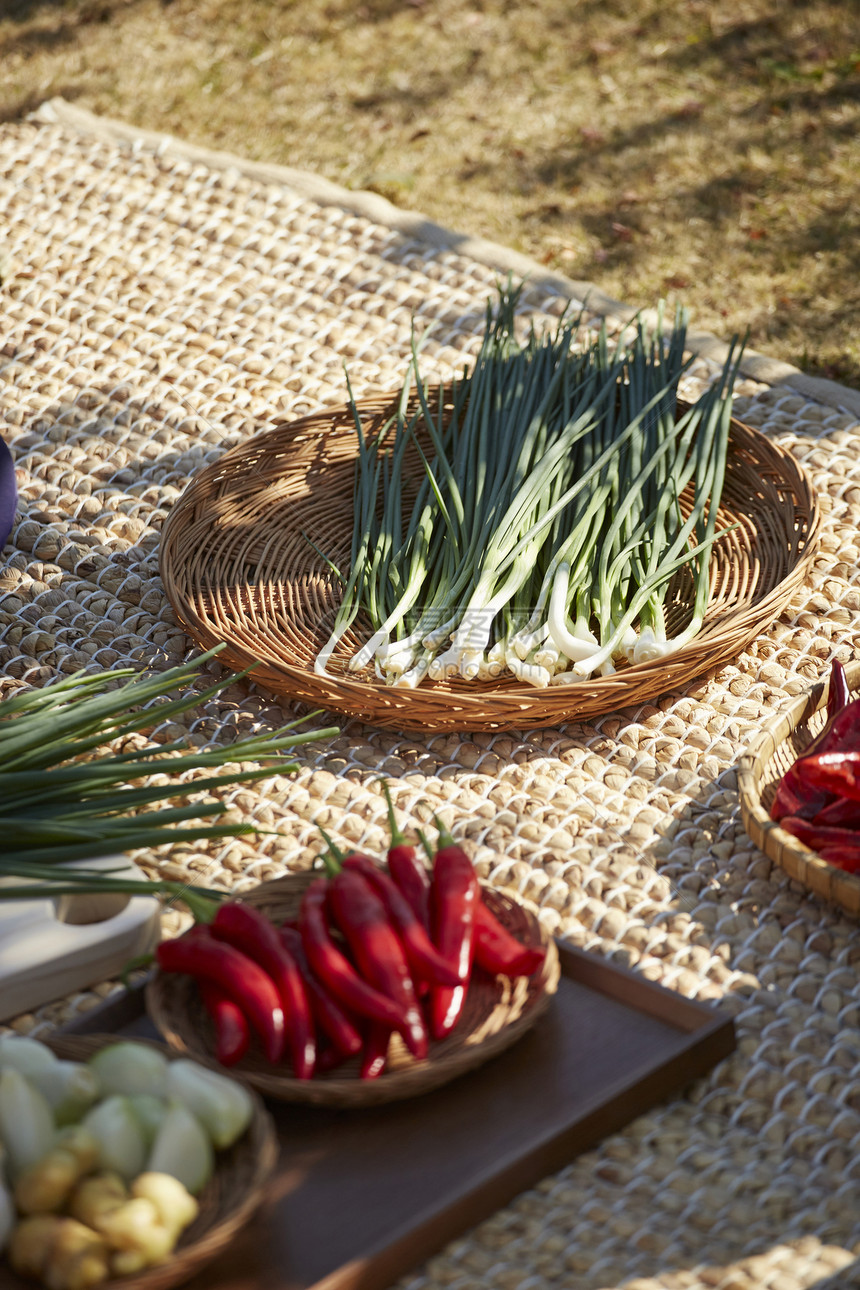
{"type": "Point", "coordinates": [157, 310]}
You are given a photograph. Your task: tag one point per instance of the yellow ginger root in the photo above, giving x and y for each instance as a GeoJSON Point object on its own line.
{"type": "Point", "coordinates": [176, 1207]}
{"type": "Point", "coordinates": [30, 1244]}
{"type": "Point", "coordinates": [83, 1146]}
{"type": "Point", "coordinates": [78, 1259]}
{"type": "Point", "coordinates": [46, 1186]}
{"type": "Point", "coordinates": [136, 1234]}
{"type": "Point", "coordinates": [140, 1230]}
{"type": "Point", "coordinates": [61, 1252]}
{"type": "Point", "coordinates": [97, 1196]}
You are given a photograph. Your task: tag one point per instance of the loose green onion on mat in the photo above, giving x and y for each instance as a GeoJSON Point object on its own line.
{"type": "Point", "coordinates": [64, 797]}
{"type": "Point", "coordinates": [548, 521]}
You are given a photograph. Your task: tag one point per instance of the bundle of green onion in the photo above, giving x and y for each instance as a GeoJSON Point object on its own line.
{"type": "Point", "coordinates": [63, 797]}
{"type": "Point", "coordinates": [559, 491]}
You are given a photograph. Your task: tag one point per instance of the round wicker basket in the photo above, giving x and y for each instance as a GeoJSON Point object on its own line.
{"type": "Point", "coordinates": [496, 1014]}
{"type": "Point", "coordinates": [768, 756]}
{"type": "Point", "coordinates": [227, 1201]}
{"type": "Point", "coordinates": [241, 565]}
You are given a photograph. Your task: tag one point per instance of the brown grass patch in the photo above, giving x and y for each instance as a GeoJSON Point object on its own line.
{"type": "Point", "coordinates": [683, 150]}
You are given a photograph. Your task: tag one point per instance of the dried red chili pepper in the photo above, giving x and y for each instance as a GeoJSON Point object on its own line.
{"type": "Point", "coordinates": [241, 979]}
{"type": "Point", "coordinates": [249, 930]}
{"type": "Point", "coordinates": [232, 1033]}
{"type": "Point", "coordinates": [833, 772]}
{"type": "Point", "coordinates": [406, 868]}
{"type": "Point", "coordinates": [838, 692]}
{"type": "Point", "coordinates": [498, 952]}
{"type": "Point", "coordinates": [841, 733]}
{"type": "Point", "coordinates": [847, 858]}
{"type": "Point", "coordinates": [378, 953]}
{"type": "Point", "coordinates": [818, 836]}
{"type": "Point", "coordinates": [375, 1054]}
{"type": "Point", "coordinates": [425, 961]}
{"type": "Point", "coordinates": [333, 968]}
{"type": "Point", "coordinates": [841, 814]}
{"type": "Point", "coordinates": [795, 796]}
{"type": "Point", "coordinates": [791, 799]}
{"type": "Point", "coordinates": [331, 1020]}
{"type": "Point", "coordinates": [454, 896]}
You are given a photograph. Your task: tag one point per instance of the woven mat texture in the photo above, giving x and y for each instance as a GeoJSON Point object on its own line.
{"type": "Point", "coordinates": [155, 312]}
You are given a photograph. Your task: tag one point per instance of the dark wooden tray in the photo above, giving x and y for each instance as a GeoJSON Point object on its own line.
{"type": "Point", "coordinates": [361, 1197]}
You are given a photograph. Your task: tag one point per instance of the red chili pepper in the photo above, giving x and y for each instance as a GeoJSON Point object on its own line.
{"type": "Point", "coordinates": [424, 959]}
{"type": "Point", "coordinates": [232, 1033]}
{"type": "Point", "coordinates": [379, 956]}
{"type": "Point", "coordinates": [497, 951]}
{"type": "Point", "coordinates": [375, 1054]}
{"type": "Point", "coordinates": [330, 1019]}
{"type": "Point", "coordinates": [834, 772]}
{"type": "Point", "coordinates": [329, 1058]}
{"type": "Point", "coordinates": [249, 930]}
{"type": "Point", "coordinates": [412, 878]}
{"type": "Point", "coordinates": [406, 869]}
{"type": "Point", "coordinates": [240, 978]}
{"type": "Point", "coordinates": [455, 894]}
{"type": "Point", "coordinates": [334, 969]}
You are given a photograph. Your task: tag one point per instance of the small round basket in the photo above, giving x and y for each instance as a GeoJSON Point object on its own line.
{"type": "Point", "coordinates": [497, 1013]}
{"type": "Point", "coordinates": [228, 1200]}
{"type": "Point", "coordinates": [768, 756]}
{"type": "Point", "coordinates": [243, 559]}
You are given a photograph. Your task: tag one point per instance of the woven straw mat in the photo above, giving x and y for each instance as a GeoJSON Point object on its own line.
{"type": "Point", "coordinates": [155, 311]}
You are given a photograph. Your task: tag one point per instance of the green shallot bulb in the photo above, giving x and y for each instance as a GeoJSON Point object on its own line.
{"type": "Point", "coordinates": [26, 1055]}
{"type": "Point", "coordinates": [128, 1067]}
{"type": "Point", "coordinates": [149, 1111]}
{"type": "Point", "coordinates": [70, 1088]}
{"type": "Point", "coordinates": [182, 1149]}
{"type": "Point", "coordinates": [7, 1208]}
{"type": "Point", "coordinates": [117, 1130]}
{"type": "Point", "coordinates": [223, 1106]}
{"type": "Point", "coordinates": [26, 1121]}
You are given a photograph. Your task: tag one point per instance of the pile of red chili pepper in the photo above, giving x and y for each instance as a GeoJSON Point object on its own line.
{"type": "Point", "coordinates": [374, 951]}
{"type": "Point", "coordinates": [818, 798]}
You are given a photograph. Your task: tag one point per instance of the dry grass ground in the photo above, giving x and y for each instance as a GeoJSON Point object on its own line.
{"type": "Point", "coordinates": [688, 149]}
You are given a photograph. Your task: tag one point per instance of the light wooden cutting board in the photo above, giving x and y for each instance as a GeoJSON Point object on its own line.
{"type": "Point", "coordinates": [52, 947]}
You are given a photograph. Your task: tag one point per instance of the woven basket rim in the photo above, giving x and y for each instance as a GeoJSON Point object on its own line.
{"type": "Point", "coordinates": [412, 1080]}
{"type": "Point", "coordinates": [801, 863]}
{"type": "Point", "coordinates": [781, 501]}
{"type": "Point", "coordinates": [259, 1141]}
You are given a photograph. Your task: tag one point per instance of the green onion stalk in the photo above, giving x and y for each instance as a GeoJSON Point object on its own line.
{"type": "Point", "coordinates": [558, 491]}
{"type": "Point", "coordinates": [66, 797]}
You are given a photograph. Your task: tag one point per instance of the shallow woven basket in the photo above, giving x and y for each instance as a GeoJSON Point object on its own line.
{"type": "Point", "coordinates": [768, 756]}
{"type": "Point", "coordinates": [496, 1014]}
{"type": "Point", "coordinates": [239, 567]}
{"type": "Point", "coordinates": [227, 1201]}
